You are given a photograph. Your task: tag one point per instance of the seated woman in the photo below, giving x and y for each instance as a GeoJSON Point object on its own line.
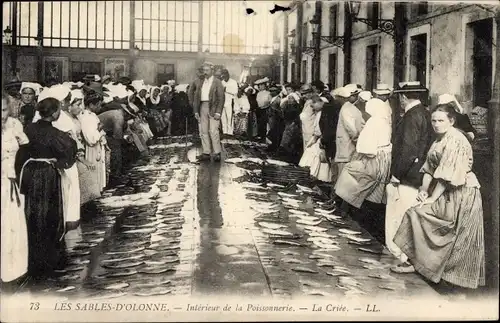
{"type": "Point", "coordinates": [462, 119]}
{"type": "Point", "coordinates": [443, 236]}
{"type": "Point", "coordinates": [367, 174]}
{"type": "Point", "coordinates": [241, 110]}
{"type": "Point", "coordinates": [154, 116]}
{"type": "Point", "coordinates": [49, 151]}
{"type": "Point", "coordinates": [291, 145]}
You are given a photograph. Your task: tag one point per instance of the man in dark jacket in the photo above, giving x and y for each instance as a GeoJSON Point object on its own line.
{"type": "Point", "coordinates": [411, 140]}
{"type": "Point", "coordinates": [207, 99]}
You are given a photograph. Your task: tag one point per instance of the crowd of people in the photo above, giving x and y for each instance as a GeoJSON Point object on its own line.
{"type": "Point", "coordinates": [384, 148]}
{"type": "Point", "coordinates": [63, 145]}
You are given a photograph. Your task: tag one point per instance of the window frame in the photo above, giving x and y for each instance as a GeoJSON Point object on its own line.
{"type": "Point", "coordinates": [412, 32]}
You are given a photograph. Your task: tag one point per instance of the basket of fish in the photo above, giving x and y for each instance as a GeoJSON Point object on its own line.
{"type": "Point", "coordinates": [285, 174]}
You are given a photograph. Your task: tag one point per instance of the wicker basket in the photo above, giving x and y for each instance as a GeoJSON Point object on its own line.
{"type": "Point", "coordinates": [285, 174]}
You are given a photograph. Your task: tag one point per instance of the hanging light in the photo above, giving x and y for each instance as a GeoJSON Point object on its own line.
{"type": "Point", "coordinates": [315, 24]}
{"type": "Point", "coordinates": [7, 36]}
{"type": "Point", "coordinates": [354, 7]}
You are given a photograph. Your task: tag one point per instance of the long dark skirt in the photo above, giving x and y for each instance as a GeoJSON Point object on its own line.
{"type": "Point", "coordinates": [276, 129]}
{"type": "Point", "coordinates": [41, 185]}
{"type": "Point", "coordinates": [261, 122]}
{"type": "Point", "coordinates": [116, 158]}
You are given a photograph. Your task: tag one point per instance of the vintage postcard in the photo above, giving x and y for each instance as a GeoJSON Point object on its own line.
{"type": "Point", "coordinates": [300, 160]}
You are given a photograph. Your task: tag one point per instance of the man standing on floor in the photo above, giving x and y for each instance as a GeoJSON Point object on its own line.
{"type": "Point", "coordinates": [411, 141]}
{"type": "Point", "coordinates": [207, 98]}
{"type": "Point", "coordinates": [231, 90]}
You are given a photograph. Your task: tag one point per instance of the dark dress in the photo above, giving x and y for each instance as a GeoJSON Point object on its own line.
{"type": "Point", "coordinates": [155, 117]}
{"type": "Point", "coordinates": [328, 125]}
{"type": "Point", "coordinates": [276, 124]}
{"type": "Point", "coordinates": [291, 146]}
{"type": "Point", "coordinates": [181, 112]}
{"type": "Point", "coordinates": [40, 183]}
{"type": "Point", "coordinates": [463, 123]}
{"type": "Point", "coordinates": [27, 114]}
{"type": "Point", "coordinates": [252, 116]}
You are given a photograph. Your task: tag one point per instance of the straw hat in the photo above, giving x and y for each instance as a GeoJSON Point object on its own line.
{"type": "Point", "coordinates": [382, 89]}
{"type": "Point", "coordinates": [406, 87]}
{"type": "Point", "coordinates": [448, 98]}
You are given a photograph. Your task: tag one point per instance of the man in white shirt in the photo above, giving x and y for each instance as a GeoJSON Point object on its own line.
{"type": "Point", "coordinates": [206, 95]}
{"type": "Point", "coordinates": [230, 90]}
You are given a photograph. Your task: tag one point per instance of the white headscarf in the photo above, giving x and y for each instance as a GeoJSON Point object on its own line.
{"type": "Point", "coordinates": [151, 90]}
{"type": "Point", "coordinates": [181, 88]}
{"type": "Point", "coordinates": [365, 95]}
{"type": "Point", "coordinates": [377, 108]}
{"type": "Point", "coordinates": [29, 85]}
{"type": "Point", "coordinates": [76, 95]}
{"type": "Point", "coordinates": [448, 98]}
{"type": "Point", "coordinates": [139, 85]}
{"type": "Point", "coordinates": [58, 92]}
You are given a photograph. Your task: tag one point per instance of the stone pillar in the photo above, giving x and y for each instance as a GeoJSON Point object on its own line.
{"type": "Point", "coordinates": [131, 54]}
{"type": "Point", "coordinates": [317, 42]}
{"type": "Point", "coordinates": [40, 75]}
{"type": "Point", "coordinates": [298, 41]}
{"type": "Point", "coordinates": [285, 48]}
{"type": "Point", "coordinates": [347, 43]}
{"type": "Point", "coordinates": [400, 30]}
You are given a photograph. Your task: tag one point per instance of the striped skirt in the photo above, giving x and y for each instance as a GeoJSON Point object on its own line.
{"type": "Point", "coordinates": [365, 178]}
{"type": "Point", "coordinates": [445, 240]}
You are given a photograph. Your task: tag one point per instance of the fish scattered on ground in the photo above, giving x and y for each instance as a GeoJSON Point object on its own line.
{"type": "Point", "coordinates": [322, 234]}
{"type": "Point", "coordinates": [358, 239]}
{"type": "Point", "coordinates": [147, 225]}
{"type": "Point", "coordinates": [322, 240]}
{"type": "Point", "coordinates": [349, 281]}
{"type": "Point", "coordinates": [259, 193]}
{"type": "Point", "coordinates": [153, 284]}
{"type": "Point", "coordinates": [79, 261]}
{"type": "Point", "coordinates": [122, 264]}
{"type": "Point", "coordinates": [283, 194]}
{"type": "Point", "coordinates": [162, 261]}
{"type": "Point", "coordinates": [125, 251]}
{"type": "Point", "coordinates": [331, 217]}
{"type": "Point", "coordinates": [290, 253]}
{"type": "Point", "coordinates": [120, 259]}
{"type": "Point", "coordinates": [291, 261]}
{"type": "Point", "coordinates": [347, 231]}
{"type": "Point", "coordinates": [287, 242]}
{"type": "Point", "coordinates": [376, 267]}
{"type": "Point", "coordinates": [170, 234]}
{"type": "Point", "coordinates": [275, 185]}
{"type": "Point", "coordinates": [322, 211]}
{"type": "Point", "coordinates": [79, 253]}
{"type": "Point", "coordinates": [305, 189]}
{"type": "Point", "coordinates": [160, 253]}
{"type": "Point", "coordinates": [305, 216]}
{"type": "Point", "coordinates": [370, 250]}
{"type": "Point", "coordinates": [158, 247]}
{"type": "Point", "coordinates": [65, 289]}
{"type": "Point", "coordinates": [123, 273]}
{"type": "Point", "coordinates": [370, 261]}
{"type": "Point", "coordinates": [116, 286]}
{"type": "Point", "coordinates": [305, 270]}
{"type": "Point", "coordinates": [145, 230]}
{"type": "Point", "coordinates": [166, 226]}
{"type": "Point", "coordinates": [100, 296]}
{"type": "Point", "coordinates": [74, 268]}
{"type": "Point", "coordinates": [318, 293]}
{"type": "Point", "coordinates": [291, 200]}
{"type": "Point", "coordinates": [156, 270]}
{"type": "Point", "coordinates": [277, 162]}
{"type": "Point", "coordinates": [270, 225]}
{"type": "Point", "coordinates": [358, 243]}
{"type": "Point", "coordinates": [154, 292]}
{"type": "Point", "coordinates": [314, 229]}
{"type": "Point", "coordinates": [379, 276]}
{"type": "Point", "coordinates": [302, 221]}
{"type": "Point", "coordinates": [392, 287]}
{"type": "Point", "coordinates": [277, 232]}
{"type": "Point", "coordinates": [69, 277]}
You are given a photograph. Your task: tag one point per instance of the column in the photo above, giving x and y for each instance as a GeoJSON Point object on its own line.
{"type": "Point", "coordinates": [40, 44]}
{"type": "Point", "coordinates": [285, 48]}
{"type": "Point", "coordinates": [317, 42]}
{"type": "Point", "coordinates": [400, 30]}
{"type": "Point", "coordinates": [131, 55]}
{"type": "Point", "coordinates": [347, 43]}
{"type": "Point", "coordinates": [298, 41]}
{"type": "Point", "coordinates": [13, 56]}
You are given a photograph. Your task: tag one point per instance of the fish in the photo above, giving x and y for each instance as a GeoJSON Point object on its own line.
{"type": "Point", "coordinates": [145, 230]}
{"type": "Point", "coordinates": [321, 234]}
{"type": "Point", "coordinates": [331, 217]}
{"type": "Point", "coordinates": [257, 193]}
{"type": "Point", "coordinates": [370, 261]}
{"type": "Point", "coordinates": [79, 253]}
{"type": "Point", "coordinates": [66, 289]}
{"type": "Point", "coordinates": [147, 225]}
{"type": "Point", "coordinates": [277, 162]}
{"type": "Point", "coordinates": [154, 292]}
{"type": "Point", "coordinates": [69, 277]}
{"type": "Point", "coordinates": [305, 189]}
{"type": "Point", "coordinates": [379, 276]}
{"type": "Point", "coordinates": [314, 229]}
{"type": "Point", "coordinates": [250, 184]}
{"type": "Point", "coordinates": [290, 253]}
{"type": "Point", "coordinates": [305, 270]}
{"type": "Point", "coordinates": [358, 239]}
{"type": "Point", "coordinates": [166, 226]}
{"type": "Point", "coordinates": [122, 264]}
{"type": "Point", "coordinates": [286, 242]}
{"type": "Point", "coordinates": [326, 263]}
{"type": "Point", "coordinates": [311, 283]}
{"type": "Point", "coordinates": [358, 243]}
{"type": "Point", "coordinates": [120, 259]}
{"type": "Point", "coordinates": [376, 266]}
{"type": "Point", "coordinates": [270, 225]}
{"type": "Point", "coordinates": [370, 250]}
{"type": "Point", "coordinates": [291, 261]}
{"type": "Point", "coordinates": [108, 295]}
{"type": "Point", "coordinates": [79, 262]}
{"type": "Point", "coordinates": [275, 185]}
{"type": "Point", "coordinates": [318, 293]}
{"type": "Point", "coordinates": [74, 268]}
{"type": "Point", "coordinates": [126, 251]}
{"type": "Point", "coordinates": [94, 233]}
{"type": "Point", "coordinates": [322, 240]}
{"type": "Point", "coordinates": [156, 270]}
{"type": "Point", "coordinates": [116, 286]}
{"type": "Point", "coordinates": [170, 234]}
{"type": "Point", "coordinates": [123, 273]}
{"type": "Point", "coordinates": [392, 287]}
{"type": "Point", "coordinates": [302, 221]}
{"type": "Point", "coordinates": [290, 200]}
{"type": "Point", "coordinates": [157, 247]}
{"type": "Point", "coordinates": [277, 232]}
{"type": "Point", "coordinates": [322, 211]}
{"type": "Point", "coordinates": [153, 284]}
{"type": "Point", "coordinates": [347, 231]}
{"type": "Point", "coordinates": [304, 216]}
{"type": "Point", "coordinates": [163, 261]}
{"type": "Point", "coordinates": [348, 281]}
{"type": "Point", "coordinates": [283, 194]}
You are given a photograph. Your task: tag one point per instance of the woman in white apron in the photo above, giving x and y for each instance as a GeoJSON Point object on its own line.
{"type": "Point", "coordinates": [14, 232]}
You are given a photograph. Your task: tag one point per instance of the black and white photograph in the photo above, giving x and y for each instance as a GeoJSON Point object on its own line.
{"type": "Point", "coordinates": [300, 160]}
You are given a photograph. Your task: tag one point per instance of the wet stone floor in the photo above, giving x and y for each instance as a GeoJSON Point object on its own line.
{"type": "Point", "coordinates": [176, 227]}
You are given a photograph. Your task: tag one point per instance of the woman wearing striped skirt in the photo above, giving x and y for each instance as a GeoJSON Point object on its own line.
{"type": "Point", "coordinates": [443, 236]}
{"type": "Point", "coordinates": [367, 174]}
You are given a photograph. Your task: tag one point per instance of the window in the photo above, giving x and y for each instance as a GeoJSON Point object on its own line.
{"type": "Point", "coordinates": [26, 24]}
{"type": "Point", "coordinates": [165, 72]}
{"type": "Point", "coordinates": [167, 25]}
{"type": "Point", "coordinates": [333, 19]}
{"type": "Point", "coordinates": [332, 70]}
{"type": "Point", "coordinates": [418, 58]}
{"type": "Point", "coordinates": [304, 35]}
{"type": "Point", "coordinates": [227, 28]}
{"type": "Point", "coordinates": [80, 69]}
{"type": "Point", "coordinates": [482, 61]}
{"type": "Point", "coordinates": [86, 24]}
{"type": "Point", "coordinates": [373, 12]}
{"type": "Point", "coordinates": [303, 76]}
{"type": "Point", "coordinates": [371, 67]}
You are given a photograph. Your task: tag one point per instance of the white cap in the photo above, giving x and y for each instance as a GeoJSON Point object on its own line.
{"type": "Point", "coordinates": [382, 89]}
{"type": "Point", "coordinates": [448, 98]}
{"type": "Point", "coordinates": [30, 85]}
{"type": "Point", "coordinates": [139, 85]}
{"type": "Point", "coordinates": [352, 89]}
{"type": "Point", "coordinates": [377, 107]}
{"type": "Point", "coordinates": [365, 95]}
{"type": "Point", "coordinates": [58, 92]}
{"type": "Point", "coordinates": [76, 95]}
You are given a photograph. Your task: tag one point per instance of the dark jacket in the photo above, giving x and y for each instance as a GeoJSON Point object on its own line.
{"type": "Point", "coordinates": [216, 96]}
{"type": "Point", "coordinates": [411, 140]}
{"type": "Point", "coordinates": [328, 125]}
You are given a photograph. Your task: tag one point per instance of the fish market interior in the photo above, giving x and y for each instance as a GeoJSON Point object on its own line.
{"type": "Point", "coordinates": [248, 148]}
